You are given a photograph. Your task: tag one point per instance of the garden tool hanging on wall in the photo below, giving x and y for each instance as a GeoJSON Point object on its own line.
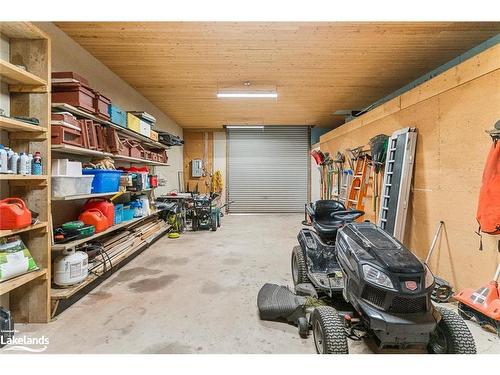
{"type": "Point", "coordinates": [443, 291]}
{"type": "Point", "coordinates": [339, 169]}
{"type": "Point", "coordinates": [324, 163]}
{"type": "Point", "coordinates": [378, 147]}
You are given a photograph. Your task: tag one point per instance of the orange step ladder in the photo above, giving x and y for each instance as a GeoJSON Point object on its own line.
{"type": "Point", "coordinates": [359, 184]}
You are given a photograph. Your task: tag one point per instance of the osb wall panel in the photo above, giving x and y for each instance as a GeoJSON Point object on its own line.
{"type": "Point", "coordinates": [451, 151]}
{"type": "Point", "coordinates": [193, 149]}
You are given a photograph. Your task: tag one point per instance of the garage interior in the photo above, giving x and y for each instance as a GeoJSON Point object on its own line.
{"type": "Point", "coordinates": [157, 177]}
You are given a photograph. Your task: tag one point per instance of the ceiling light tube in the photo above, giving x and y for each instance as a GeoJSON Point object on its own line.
{"type": "Point", "coordinates": [244, 126]}
{"type": "Point", "coordinates": [247, 95]}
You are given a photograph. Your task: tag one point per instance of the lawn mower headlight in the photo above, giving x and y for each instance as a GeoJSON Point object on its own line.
{"type": "Point", "coordinates": [374, 276]}
{"type": "Point", "coordinates": [429, 277]}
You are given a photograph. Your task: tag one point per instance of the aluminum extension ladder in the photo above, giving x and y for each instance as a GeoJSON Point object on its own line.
{"type": "Point", "coordinates": [345, 181]}
{"type": "Point", "coordinates": [397, 182]}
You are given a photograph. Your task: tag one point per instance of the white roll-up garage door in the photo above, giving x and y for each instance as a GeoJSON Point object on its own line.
{"type": "Point", "coordinates": [268, 169]}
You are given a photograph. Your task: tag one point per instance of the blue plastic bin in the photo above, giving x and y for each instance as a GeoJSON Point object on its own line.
{"type": "Point", "coordinates": [118, 213]}
{"type": "Point", "coordinates": [127, 213]}
{"type": "Point", "coordinates": [118, 115]}
{"type": "Point", "coordinates": [105, 181]}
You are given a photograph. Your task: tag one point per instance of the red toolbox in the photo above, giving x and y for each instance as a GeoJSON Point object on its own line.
{"type": "Point", "coordinates": [101, 106]}
{"type": "Point", "coordinates": [64, 135]}
{"type": "Point", "coordinates": [114, 144]}
{"type": "Point", "coordinates": [65, 119]}
{"type": "Point", "coordinates": [102, 144]}
{"type": "Point", "coordinates": [126, 147]}
{"type": "Point", "coordinates": [89, 134]}
{"type": "Point", "coordinates": [75, 94]}
{"type": "Point", "coordinates": [14, 214]}
{"type": "Point", "coordinates": [136, 150]}
{"type": "Point", "coordinates": [146, 154]}
{"type": "Point", "coordinates": [68, 77]}
{"type": "Point", "coordinates": [162, 156]}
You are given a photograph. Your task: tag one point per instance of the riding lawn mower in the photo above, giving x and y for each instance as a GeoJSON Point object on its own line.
{"type": "Point", "coordinates": [354, 280]}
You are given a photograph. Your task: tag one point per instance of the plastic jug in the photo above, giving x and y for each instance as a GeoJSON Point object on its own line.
{"type": "Point", "coordinates": [14, 214]}
{"type": "Point", "coordinates": [96, 218]}
{"type": "Point", "coordinates": [3, 160]}
{"type": "Point", "coordinates": [136, 206]}
{"type": "Point", "coordinates": [13, 161]}
{"type": "Point", "coordinates": [36, 165]}
{"type": "Point", "coordinates": [145, 204]}
{"type": "Point", "coordinates": [22, 163]}
{"type": "Point", "coordinates": [10, 152]}
{"type": "Point", "coordinates": [28, 163]}
{"type": "Point", "coordinates": [103, 205]}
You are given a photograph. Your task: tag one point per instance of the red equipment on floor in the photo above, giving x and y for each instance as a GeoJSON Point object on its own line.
{"type": "Point", "coordinates": [14, 214]}
{"type": "Point", "coordinates": [482, 304]}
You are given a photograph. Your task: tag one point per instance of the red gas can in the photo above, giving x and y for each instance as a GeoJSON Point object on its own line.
{"type": "Point", "coordinates": [96, 218]}
{"type": "Point", "coordinates": [103, 205]}
{"type": "Point", "coordinates": [14, 214]}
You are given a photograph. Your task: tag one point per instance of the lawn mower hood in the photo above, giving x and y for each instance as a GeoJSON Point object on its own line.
{"type": "Point", "coordinates": [371, 245]}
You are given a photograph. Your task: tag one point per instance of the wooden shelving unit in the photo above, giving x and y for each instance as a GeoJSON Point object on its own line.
{"type": "Point", "coordinates": [67, 208]}
{"type": "Point", "coordinates": [28, 296]}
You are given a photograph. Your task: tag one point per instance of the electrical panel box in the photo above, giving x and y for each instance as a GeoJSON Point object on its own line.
{"type": "Point", "coordinates": [196, 168]}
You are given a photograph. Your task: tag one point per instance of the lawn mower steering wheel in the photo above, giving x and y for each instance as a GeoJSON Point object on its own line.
{"type": "Point", "coordinates": [347, 215]}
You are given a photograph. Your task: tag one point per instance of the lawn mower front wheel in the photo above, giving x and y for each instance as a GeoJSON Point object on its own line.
{"type": "Point", "coordinates": [452, 336]}
{"type": "Point", "coordinates": [328, 331]}
{"type": "Point", "coordinates": [299, 267]}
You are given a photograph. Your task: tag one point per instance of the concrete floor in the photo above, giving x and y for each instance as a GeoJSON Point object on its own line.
{"type": "Point", "coordinates": [196, 294]}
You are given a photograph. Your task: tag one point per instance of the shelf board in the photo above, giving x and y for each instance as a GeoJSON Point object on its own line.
{"type": "Point", "coordinates": [86, 196]}
{"type": "Point", "coordinates": [5, 233]}
{"type": "Point", "coordinates": [80, 113]}
{"type": "Point", "coordinates": [18, 281]}
{"type": "Point", "coordinates": [132, 160]}
{"type": "Point", "coordinates": [75, 150]}
{"type": "Point", "coordinates": [83, 196]}
{"type": "Point", "coordinates": [72, 244]}
{"type": "Point", "coordinates": [64, 293]}
{"type": "Point", "coordinates": [21, 177]}
{"type": "Point", "coordinates": [13, 125]}
{"type": "Point", "coordinates": [13, 75]}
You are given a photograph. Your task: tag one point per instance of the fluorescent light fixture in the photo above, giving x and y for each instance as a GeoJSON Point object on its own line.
{"type": "Point", "coordinates": [247, 94]}
{"type": "Point", "coordinates": [244, 126]}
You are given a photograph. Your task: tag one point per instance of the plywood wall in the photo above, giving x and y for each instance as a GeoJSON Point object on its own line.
{"type": "Point", "coordinates": [194, 148]}
{"type": "Point", "coordinates": [451, 112]}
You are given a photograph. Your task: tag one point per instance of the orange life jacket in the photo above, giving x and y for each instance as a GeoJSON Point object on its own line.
{"type": "Point", "coordinates": [488, 210]}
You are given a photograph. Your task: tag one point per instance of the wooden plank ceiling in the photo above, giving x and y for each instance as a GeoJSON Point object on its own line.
{"type": "Point", "coordinates": [318, 68]}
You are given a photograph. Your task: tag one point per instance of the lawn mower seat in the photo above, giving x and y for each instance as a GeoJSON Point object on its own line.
{"type": "Point", "coordinates": [323, 223]}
